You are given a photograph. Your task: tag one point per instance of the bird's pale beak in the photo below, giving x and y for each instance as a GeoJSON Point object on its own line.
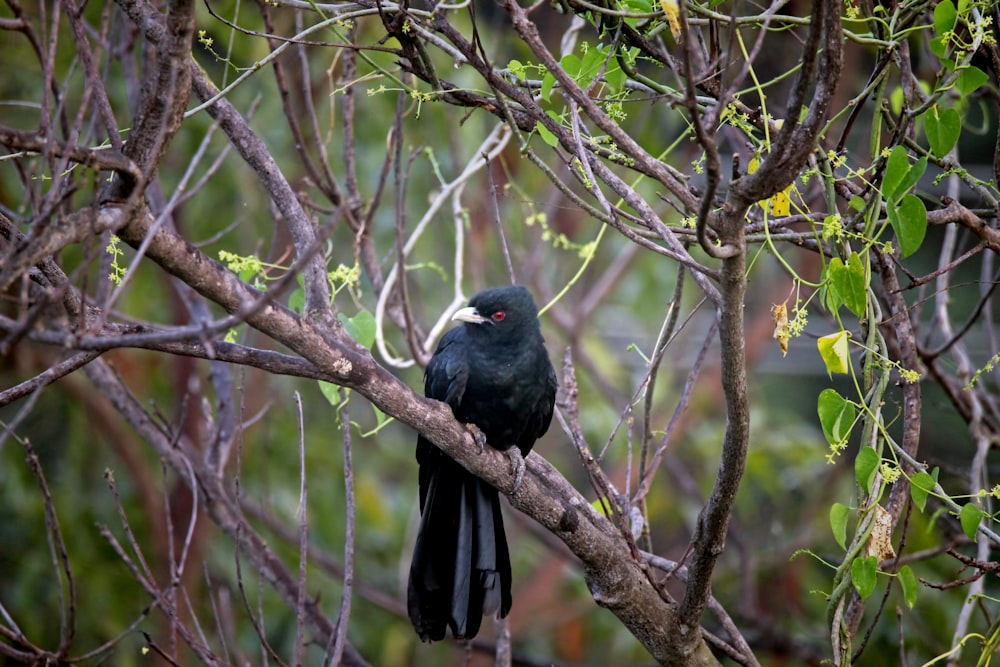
{"type": "Point", "coordinates": [469, 314]}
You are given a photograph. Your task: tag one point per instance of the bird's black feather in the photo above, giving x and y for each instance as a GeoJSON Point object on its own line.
{"type": "Point", "coordinates": [493, 372]}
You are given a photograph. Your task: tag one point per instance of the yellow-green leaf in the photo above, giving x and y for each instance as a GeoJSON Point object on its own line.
{"type": "Point", "coordinates": [833, 349]}
{"type": "Point", "coordinates": [672, 13]}
{"type": "Point", "coordinates": [780, 203]}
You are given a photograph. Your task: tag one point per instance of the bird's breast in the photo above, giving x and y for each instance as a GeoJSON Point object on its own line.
{"type": "Point", "coordinates": [501, 397]}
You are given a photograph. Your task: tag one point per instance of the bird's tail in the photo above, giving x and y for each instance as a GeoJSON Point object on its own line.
{"type": "Point", "coordinates": [461, 567]}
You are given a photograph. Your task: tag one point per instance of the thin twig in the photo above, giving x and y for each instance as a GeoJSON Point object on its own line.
{"type": "Point", "coordinates": [303, 514]}
{"type": "Point", "coordinates": [343, 618]}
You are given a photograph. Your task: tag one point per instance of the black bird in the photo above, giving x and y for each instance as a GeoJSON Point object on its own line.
{"type": "Point", "coordinates": [494, 372]}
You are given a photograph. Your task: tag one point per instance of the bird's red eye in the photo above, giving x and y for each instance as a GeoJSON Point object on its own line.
{"type": "Point", "coordinates": [498, 316]}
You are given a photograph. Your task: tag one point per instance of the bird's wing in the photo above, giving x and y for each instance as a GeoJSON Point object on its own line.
{"type": "Point", "coordinates": [540, 415]}
{"type": "Point", "coordinates": [448, 371]}
{"type": "Point", "coordinates": [547, 404]}
{"type": "Point", "coordinates": [445, 380]}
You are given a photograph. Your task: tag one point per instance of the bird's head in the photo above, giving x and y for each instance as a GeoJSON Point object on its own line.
{"type": "Point", "coordinates": [501, 309]}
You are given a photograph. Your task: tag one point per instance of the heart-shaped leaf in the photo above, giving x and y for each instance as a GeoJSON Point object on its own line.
{"type": "Point", "coordinates": [942, 125]}
{"type": "Point", "coordinates": [863, 571]}
{"type": "Point", "coordinates": [838, 523]}
{"type": "Point", "coordinates": [909, 220]}
{"type": "Point", "coordinates": [896, 168]}
{"type": "Point", "coordinates": [836, 416]}
{"type": "Point", "coordinates": [970, 79]}
{"type": "Point", "coordinates": [921, 485]}
{"type": "Point", "coordinates": [865, 466]}
{"type": "Point", "coordinates": [361, 327]}
{"type": "Point", "coordinates": [848, 281]}
{"type": "Point", "coordinates": [970, 516]}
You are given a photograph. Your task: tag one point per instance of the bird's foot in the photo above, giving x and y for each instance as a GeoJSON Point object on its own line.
{"type": "Point", "coordinates": [516, 466]}
{"type": "Point", "coordinates": [478, 436]}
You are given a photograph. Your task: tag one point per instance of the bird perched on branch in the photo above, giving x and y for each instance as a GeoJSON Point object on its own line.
{"type": "Point", "coordinates": [494, 372]}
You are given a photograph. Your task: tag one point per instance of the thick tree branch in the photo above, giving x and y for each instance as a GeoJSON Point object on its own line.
{"type": "Point", "coordinates": [822, 63]}
{"type": "Point", "coordinates": [709, 539]}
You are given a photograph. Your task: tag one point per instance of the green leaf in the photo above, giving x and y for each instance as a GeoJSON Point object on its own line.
{"type": "Point", "coordinates": [858, 291]}
{"type": "Point", "coordinates": [836, 416]}
{"type": "Point", "coordinates": [331, 392]}
{"type": "Point", "coordinates": [970, 516]}
{"type": "Point", "coordinates": [571, 64]}
{"type": "Point", "coordinates": [833, 349]}
{"type": "Point", "coordinates": [900, 176]}
{"type": "Point", "coordinates": [838, 522]}
{"type": "Point", "coordinates": [590, 65]}
{"type": "Point", "coordinates": [939, 47]}
{"type": "Point", "coordinates": [970, 79]}
{"type": "Point", "coordinates": [848, 281]}
{"type": "Point", "coordinates": [921, 485]}
{"type": "Point", "coordinates": [548, 83]}
{"type": "Point", "coordinates": [602, 505]}
{"type": "Point", "coordinates": [547, 136]}
{"type": "Point", "coordinates": [908, 583]}
{"type": "Point", "coordinates": [896, 100]}
{"type": "Point", "coordinates": [361, 327]}
{"type": "Point", "coordinates": [896, 169]}
{"type": "Point", "coordinates": [945, 17]}
{"type": "Point", "coordinates": [834, 299]}
{"type": "Point", "coordinates": [831, 299]}
{"type": "Point", "coordinates": [614, 75]}
{"type": "Point", "coordinates": [516, 68]}
{"type": "Point", "coordinates": [297, 300]}
{"type": "Point", "coordinates": [863, 571]}
{"type": "Point", "coordinates": [865, 467]}
{"type": "Point", "coordinates": [912, 176]}
{"type": "Point", "coordinates": [909, 221]}
{"type": "Point", "coordinates": [942, 125]}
